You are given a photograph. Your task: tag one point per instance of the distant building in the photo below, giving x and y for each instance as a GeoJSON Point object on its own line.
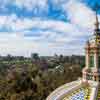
{"type": "Point", "coordinates": [87, 88]}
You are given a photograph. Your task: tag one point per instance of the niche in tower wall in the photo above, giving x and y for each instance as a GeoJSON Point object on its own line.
{"type": "Point", "coordinates": [95, 78]}
{"type": "Point", "coordinates": [91, 63]}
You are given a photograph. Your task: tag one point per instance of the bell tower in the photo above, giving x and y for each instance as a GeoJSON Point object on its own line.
{"type": "Point", "coordinates": [92, 56]}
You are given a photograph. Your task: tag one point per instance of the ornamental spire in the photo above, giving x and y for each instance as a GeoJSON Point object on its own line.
{"type": "Point", "coordinates": [96, 8]}
{"type": "Point", "coordinates": [97, 22]}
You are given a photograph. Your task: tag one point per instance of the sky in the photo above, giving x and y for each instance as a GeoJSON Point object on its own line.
{"type": "Point", "coordinates": [45, 26]}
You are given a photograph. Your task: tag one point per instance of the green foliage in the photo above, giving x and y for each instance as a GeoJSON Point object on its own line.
{"type": "Point", "coordinates": [24, 80]}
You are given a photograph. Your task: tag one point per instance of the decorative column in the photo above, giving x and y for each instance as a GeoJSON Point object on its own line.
{"type": "Point", "coordinates": [93, 95]}
{"type": "Point", "coordinates": [87, 58]}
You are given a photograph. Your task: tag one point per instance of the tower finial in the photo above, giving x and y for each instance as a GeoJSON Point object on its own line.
{"type": "Point", "coordinates": [97, 22]}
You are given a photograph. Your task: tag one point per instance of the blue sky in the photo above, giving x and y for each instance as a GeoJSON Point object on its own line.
{"type": "Point", "coordinates": [45, 26]}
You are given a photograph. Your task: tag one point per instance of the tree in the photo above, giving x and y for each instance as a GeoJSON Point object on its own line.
{"type": "Point", "coordinates": [9, 57]}
{"type": "Point", "coordinates": [61, 58]}
{"type": "Point", "coordinates": [35, 56]}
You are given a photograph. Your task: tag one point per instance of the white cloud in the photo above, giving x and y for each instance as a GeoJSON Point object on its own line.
{"type": "Point", "coordinates": [46, 44]}
{"type": "Point", "coordinates": [14, 23]}
{"type": "Point", "coordinates": [54, 36]}
{"type": "Point", "coordinates": [27, 4]}
{"type": "Point", "coordinates": [14, 44]}
{"type": "Point", "coordinates": [32, 4]}
{"type": "Point", "coordinates": [80, 14]}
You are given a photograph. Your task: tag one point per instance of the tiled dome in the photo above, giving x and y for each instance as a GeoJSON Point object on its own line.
{"type": "Point", "coordinates": [76, 90]}
{"type": "Point", "coordinates": [79, 94]}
